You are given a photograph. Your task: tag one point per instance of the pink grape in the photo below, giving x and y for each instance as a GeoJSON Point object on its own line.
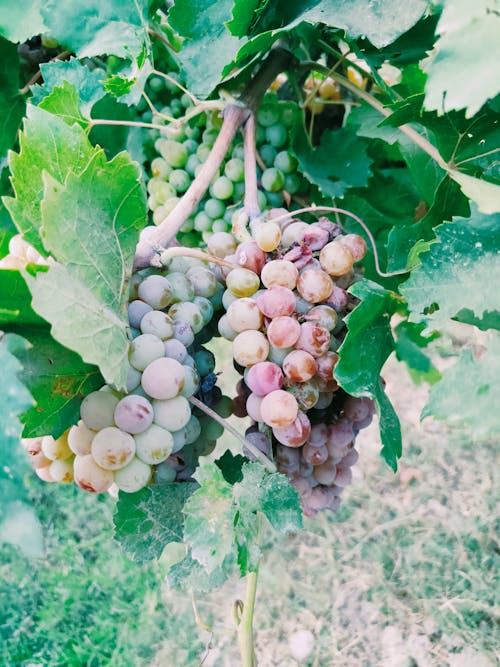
{"type": "Point", "coordinates": [300, 255]}
{"type": "Point", "coordinates": [288, 459]}
{"type": "Point", "coordinates": [315, 237]}
{"type": "Point", "coordinates": [264, 377]}
{"type": "Point", "coordinates": [279, 272]}
{"type": "Point", "coordinates": [350, 459]}
{"type": "Point", "coordinates": [343, 476]}
{"type": "Point", "coordinates": [314, 285]}
{"type": "Point", "coordinates": [314, 455]}
{"type": "Point", "coordinates": [292, 233]}
{"type": "Point", "coordinates": [244, 314]}
{"type": "Point", "coordinates": [356, 244]}
{"type": "Point", "coordinates": [134, 413]}
{"type": "Point", "coordinates": [313, 339]}
{"type": "Point", "coordinates": [258, 440]}
{"type": "Point", "coordinates": [299, 366]}
{"type": "Point", "coordinates": [340, 433]}
{"type": "Point", "coordinates": [338, 299]}
{"type": "Point", "coordinates": [357, 409]}
{"type": "Point", "coordinates": [336, 259]}
{"type": "Point", "coordinates": [320, 498]}
{"type": "Point", "coordinates": [363, 423]}
{"type": "Point", "coordinates": [325, 473]}
{"type": "Point", "coordinates": [162, 379]}
{"type": "Point", "coordinates": [319, 435]}
{"type": "Point", "coordinates": [253, 403]}
{"type": "Point", "coordinates": [279, 409]}
{"type": "Point", "coordinates": [250, 256]}
{"type": "Point", "coordinates": [296, 434]}
{"type": "Point", "coordinates": [250, 347]}
{"type": "Point", "coordinates": [276, 301]}
{"type": "Point", "coordinates": [91, 477]}
{"type": "Point", "coordinates": [283, 332]}
{"type": "Point", "coordinates": [323, 315]}
{"type": "Point", "coordinates": [174, 349]}
{"type": "Point", "coordinates": [326, 365]}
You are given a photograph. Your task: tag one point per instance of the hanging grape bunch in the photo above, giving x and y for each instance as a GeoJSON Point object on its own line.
{"type": "Point", "coordinates": [151, 430]}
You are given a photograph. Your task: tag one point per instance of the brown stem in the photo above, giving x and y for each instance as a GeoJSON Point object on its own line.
{"type": "Point", "coordinates": [162, 39]}
{"type": "Point", "coordinates": [251, 201]}
{"type": "Point", "coordinates": [152, 240]}
{"type": "Point", "coordinates": [25, 89]}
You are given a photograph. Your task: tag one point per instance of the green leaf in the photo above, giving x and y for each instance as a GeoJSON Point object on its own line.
{"type": "Point", "coordinates": [189, 575]}
{"type": "Point", "coordinates": [459, 271]}
{"type": "Point", "coordinates": [88, 83]}
{"type": "Point", "coordinates": [64, 101]}
{"type": "Point", "coordinates": [243, 13]}
{"type": "Point", "coordinates": [231, 466]}
{"type": "Point", "coordinates": [208, 45]}
{"type": "Point", "coordinates": [339, 162]}
{"type": "Point", "coordinates": [463, 72]}
{"type": "Point", "coordinates": [91, 226]}
{"type": "Point", "coordinates": [12, 105]}
{"type": "Point", "coordinates": [365, 349]}
{"type": "Point", "coordinates": [146, 521]}
{"type": "Point", "coordinates": [210, 515]}
{"type": "Point", "coordinates": [15, 302]}
{"type": "Point", "coordinates": [409, 346]}
{"type": "Point", "coordinates": [368, 123]}
{"type": "Point", "coordinates": [467, 395]}
{"type": "Point", "coordinates": [49, 145]}
{"type": "Point", "coordinates": [20, 20]}
{"type": "Point", "coordinates": [57, 379]}
{"type": "Point", "coordinates": [7, 227]}
{"type": "Point", "coordinates": [485, 194]}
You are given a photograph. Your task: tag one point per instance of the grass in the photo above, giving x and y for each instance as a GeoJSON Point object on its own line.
{"type": "Point", "coordinates": [404, 575]}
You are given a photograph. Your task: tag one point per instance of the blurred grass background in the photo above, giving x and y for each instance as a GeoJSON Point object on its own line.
{"type": "Point", "coordinates": [406, 574]}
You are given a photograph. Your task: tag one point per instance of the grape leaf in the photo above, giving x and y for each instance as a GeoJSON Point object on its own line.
{"type": "Point", "coordinates": [462, 72]}
{"type": "Point", "coordinates": [7, 227]}
{"type": "Point", "coordinates": [208, 45]}
{"type": "Point", "coordinates": [338, 163]}
{"type": "Point", "coordinates": [12, 105]}
{"type": "Point", "coordinates": [243, 13]}
{"type": "Point", "coordinates": [365, 349]}
{"type": "Point", "coordinates": [231, 466]}
{"type": "Point", "coordinates": [485, 194]}
{"type": "Point", "coordinates": [20, 20]}
{"type": "Point", "coordinates": [189, 575]}
{"type": "Point", "coordinates": [467, 394]}
{"type": "Point", "coordinates": [58, 381]}
{"type": "Point", "coordinates": [64, 101]}
{"type": "Point", "coordinates": [459, 271]}
{"type": "Point", "coordinates": [88, 83]}
{"type": "Point", "coordinates": [209, 519]}
{"type": "Point", "coordinates": [409, 346]}
{"type": "Point", "coordinates": [46, 144]}
{"type": "Point", "coordinates": [90, 226]}
{"type": "Point", "coordinates": [15, 301]}
{"type": "Point", "coordinates": [146, 521]}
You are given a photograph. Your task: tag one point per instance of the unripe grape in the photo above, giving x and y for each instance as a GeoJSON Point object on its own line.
{"type": "Point", "coordinates": [314, 286]}
{"type": "Point", "coordinates": [279, 409]}
{"type": "Point", "coordinates": [135, 476]}
{"type": "Point", "coordinates": [62, 471]}
{"type": "Point", "coordinates": [250, 347]}
{"type": "Point", "coordinates": [323, 315]}
{"type": "Point", "coordinates": [89, 476]}
{"type": "Point", "coordinates": [203, 280]}
{"type": "Point", "coordinates": [313, 339]}
{"type": "Point", "coordinates": [242, 282]}
{"type": "Point", "coordinates": [253, 403]}
{"type": "Point", "coordinates": [228, 298]}
{"type": "Point", "coordinates": [299, 366]}
{"type": "Point", "coordinates": [222, 188]}
{"type": "Point", "coordinates": [156, 291]}
{"type": "Point", "coordinates": [283, 332]}
{"type": "Point", "coordinates": [273, 180]}
{"type": "Point", "coordinates": [44, 473]}
{"type": "Point", "coordinates": [187, 313]}
{"type": "Point", "coordinates": [268, 113]}
{"type": "Point", "coordinates": [276, 301]}
{"type": "Point", "coordinates": [112, 448]}
{"type": "Point", "coordinates": [235, 170]}
{"type": "Point", "coordinates": [336, 259]}
{"type": "Point", "coordinates": [56, 450]}
{"type": "Point", "coordinates": [143, 350]}
{"type": "Point", "coordinates": [154, 445]}
{"type": "Point", "coordinates": [162, 378]}
{"type": "Point", "coordinates": [225, 329]}
{"type": "Point", "coordinates": [97, 409]}
{"type": "Point", "coordinates": [267, 236]}
{"type": "Point", "coordinates": [244, 314]}
{"type": "Point", "coordinates": [80, 438]}
{"type": "Point", "coordinates": [280, 272]}
{"type": "Point", "coordinates": [221, 244]}
{"type": "Point", "coordinates": [174, 349]}
{"type": "Point", "coordinates": [172, 414]}
{"type": "Point", "coordinates": [174, 154]}
{"type": "Point", "coordinates": [296, 434]}
{"type": "Point", "coordinates": [136, 311]}
{"type": "Point", "coordinates": [285, 162]}
{"type": "Point", "coordinates": [276, 135]}
{"type": "Point", "coordinates": [158, 324]}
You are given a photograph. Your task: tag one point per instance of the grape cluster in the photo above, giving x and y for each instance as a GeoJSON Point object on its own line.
{"type": "Point", "coordinates": [123, 439]}
{"type": "Point", "coordinates": [181, 149]}
{"type": "Point", "coordinates": [284, 303]}
{"type": "Point", "coordinates": [22, 253]}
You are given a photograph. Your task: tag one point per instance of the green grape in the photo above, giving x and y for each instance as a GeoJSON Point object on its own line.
{"type": "Point", "coordinates": [277, 135]}
{"type": "Point", "coordinates": [191, 240]}
{"type": "Point", "coordinates": [191, 382]}
{"type": "Point", "coordinates": [202, 222]}
{"type": "Point", "coordinates": [203, 152]}
{"type": "Point", "coordinates": [192, 132]}
{"type": "Point", "coordinates": [192, 164]}
{"type": "Point", "coordinates": [235, 170]}
{"type": "Point", "coordinates": [268, 114]}
{"type": "Point", "coordinates": [268, 154]}
{"type": "Point", "coordinates": [219, 225]}
{"type": "Point", "coordinates": [190, 145]}
{"type": "Point", "coordinates": [238, 152]}
{"type": "Point", "coordinates": [156, 83]}
{"type": "Point", "coordinates": [261, 200]}
{"type": "Point", "coordinates": [163, 192]}
{"type": "Point", "coordinates": [209, 136]}
{"type": "Point", "coordinates": [289, 114]}
{"type": "Point", "coordinates": [186, 313]}
{"type": "Point", "coordinates": [205, 306]}
{"type": "Point", "coordinates": [160, 168]}
{"type": "Point", "coordinates": [187, 226]}
{"type": "Point", "coordinates": [180, 180]}
{"type": "Point", "coordinates": [222, 188]}
{"type": "Point", "coordinates": [171, 85]}
{"type": "Point", "coordinates": [224, 408]}
{"type": "Point", "coordinates": [214, 208]}
{"type": "Point", "coordinates": [154, 445]}
{"type": "Point", "coordinates": [216, 299]}
{"type": "Point", "coordinates": [161, 212]}
{"type": "Point", "coordinates": [186, 101]}
{"type": "Point", "coordinates": [292, 183]}
{"type": "Point", "coordinates": [285, 162]}
{"type": "Point", "coordinates": [273, 180]}
{"type": "Point", "coordinates": [177, 108]}
{"type": "Point", "coordinates": [172, 414]}
{"type": "Point", "coordinates": [182, 289]}
{"type": "Point", "coordinates": [275, 199]}
{"type": "Point", "coordinates": [174, 153]}
{"type": "Point", "coordinates": [133, 477]}
{"type": "Point", "coordinates": [203, 280]}
{"type": "Point", "coordinates": [174, 132]}
{"type": "Point", "coordinates": [238, 193]}
{"type": "Point", "coordinates": [205, 361]}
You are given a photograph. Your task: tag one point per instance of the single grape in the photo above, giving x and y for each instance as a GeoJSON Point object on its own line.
{"type": "Point", "coordinates": [314, 286]}
{"type": "Point", "coordinates": [242, 282]}
{"type": "Point", "coordinates": [235, 170]}
{"type": "Point", "coordinates": [258, 440]}
{"type": "Point", "coordinates": [288, 459]}
{"type": "Point", "coordinates": [221, 244]}
{"type": "Point", "coordinates": [174, 349]}
{"type": "Point", "coordinates": [268, 113]}
{"type": "Point", "coordinates": [315, 236]}
{"type": "Point", "coordinates": [89, 476]}
{"type": "Point", "coordinates": [203, 280]}
{"type": "Point", "coordinates": [154, 445]}
{"type": "Point", "coordinates": [97, 409]}
{"type": "Point", "coordinates": [202, 222]}
{"type": "Point", "coordinates": [250, 347]}
{"type": "Point", "coordinates": [173, 153]}
{"type": "Point", "coordinates": [285, 162]}
{"type": "Point", "coordinates": [277, 355]}
{"type": "Point", "coordinates": [343, 476]}
{"type": "Point", "coordinates": [205, 306]}
{"type": "Point", "coordinates": [156, 291]}
{"type": "Point", "coordinates": [250, 255]}
{"type": "Point", "coordinates": [279, 409]}
{"type": "Point", "coordinates": [253, 403]}
{"type": "Point", "coordinates": [182, 289]}
{"type": "Point", "coordinates": [356, 244]}
{"type": "Point", "coordinates": [319, 435]}
{"type": "Point", "coordinates": [44, 472]}
{"type": "Point", "coordinates": [222, 188]}
{"type": "Point", "coordinates": [192, 164]}
{"type": "Point", "coordinates": [263, 378]}
{"type": "Point", "coordinates": [143, 350]}
{"type": "Point", "coordinates": [162, 378]}
{"type": "Point", "coordinates": [187, 313]}
{"type": "Point", "coordinates": [225, 329]}
{"type": "Point", "coordinates": [306, 393]}
{"type": "Point", "coordinates": [340, 433]}
{"type": "Point", "coordinates": [324, 400]}
{"type": "Point", "coordinates": [180, 180]}
{"type": "Point", "coordinates": [172, 414]}
{"type": "Point", "coordinates": [160, 168]}
{"type": "Point", "coordinates": [280, 272]}
{"type": "Point", "coordinates": [184, 333]}
{"type": "Point", "coordinates": [267, 236]}
{"type": "Point", "coordinates": [112, 448]}
{"type": "Point", "coordinates": [314, 455]}
{"type": "Point", "coordinates": [273, 179]}
{"type": "Point", "coordinates": [214, 208]}
{"type": "Point", "coordinates": [135, 476]}
{"type": "Point", "coordinates": [325, 473]}
{"type": "Point", "coordinates": [336, 259]}
{"type": "Point", "coordinates": [62, 471]}
{"type": "Point", "coordinates": [191, 382]}
{"type": "Point", "coordinates": [276, 135]}
{"type": "Point", "coordinates": [299, 366]}
{"type": "Point", "coordinates": [136, 311]}
{"type": "Point", "coordinates": [244, 314]}
{"type": "Point", "coordinates": [313, 339]}
{"type": "Point", "coordinates": [283, 332]}
{"type": "Point", "coordinates": [158, 324]}
{"type": "Point", "coordinates": [326, 364]}
{"type": "Point", "coordinates": [80, 438]}
{"type": "Point", "coordinates": [292, 233]}
{"type": "Point", "coordinates": [296, 434]}
{"type": "Point", "coordinates": [350, 459]}
{"type": "Point", "coordinates": [323, 315]}
{"type": "Point", "coordinates": [276, 301]}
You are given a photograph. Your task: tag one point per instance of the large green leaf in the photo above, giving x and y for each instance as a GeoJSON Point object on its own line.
{"type": "Point", "coordinates": [460, 271]}
{"type": "Point", "coordinates": [15, 302]}
{"type": "Point", "coordinates": [21, 20]}
{"type": "Point", "coordinates": [90, 226]}
{"type": "Point", "coordinates": [363, 353]}
{"type": "Point", "coordinates": [12, 104]}
{"type": "Point", "coordinates": [146, 521]}
{"type": "Point", "coordinates": [467, 395]}
{"type": "Point", "coordinates": [49, 145]}
{"type": "Point", "coordinates": [485, 194]}
{"type": "Point", "coordinates": [463, 71]}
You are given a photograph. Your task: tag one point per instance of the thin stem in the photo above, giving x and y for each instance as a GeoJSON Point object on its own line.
{"type": "Point", "coordinates": [162, 39]}
{"type": "Point", "coordinates": [180, 251]}
{"type": "Point", "coordinates": [128, 123]}
{"type": "Point", "coordinates": [251, 201]}
{"type": "Point", "coordinates": [477, 157]}
{"type": "Point", "coordinates": [245, 626]}
{"type": "Point", "coordinates": [25, 89]}
{"type": "Point", "coordinates": [152, 107]}
{"type": "Point", "coordinates": [198, 619]}
{"type": "Point", "coordinates": [174, 82]}
{"type": "Point", "coordinates": [335, 209]}
{"type": "Point", "coordinates": [260, 456]}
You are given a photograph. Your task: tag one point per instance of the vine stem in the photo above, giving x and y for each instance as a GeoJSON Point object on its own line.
{"type": "Point", "coordinates": [245, 622]}
{"type": "Point", "coordinates": [180, 251]}
{"type": "Point", "coordinates": [251, 201]}
{"type": "Point", "coordinates": [343, 211]}
{"type": "Point", "coordinates": [25, 89]}
{"type": "Point", "coordinates": [260, 456]}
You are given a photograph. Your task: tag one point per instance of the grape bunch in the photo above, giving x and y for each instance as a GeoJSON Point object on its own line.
{"type": "Point", "coordinates": [285, 301]}
{"type": "Point", "coordinates": [124, 439]}
{"type": "Point", "coordinates": [181, 149]}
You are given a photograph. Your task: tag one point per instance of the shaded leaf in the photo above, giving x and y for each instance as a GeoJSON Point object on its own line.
{"type": "Point", "coordinates": [12, 105]}
{"type": "Point", "coordinates": [189, 575]}
{"type": "Point", "coordinates": [409, 348]}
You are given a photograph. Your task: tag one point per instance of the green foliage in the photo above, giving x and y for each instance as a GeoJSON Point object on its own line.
{"type": "Point", "coordinates": [366, 347]}
{"type": "Point", "coordinates": [410, 346]}
{"type": "Point", "coordinates": [12, 105]}
{"type": "Point", "coordinates": [477, 380]}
